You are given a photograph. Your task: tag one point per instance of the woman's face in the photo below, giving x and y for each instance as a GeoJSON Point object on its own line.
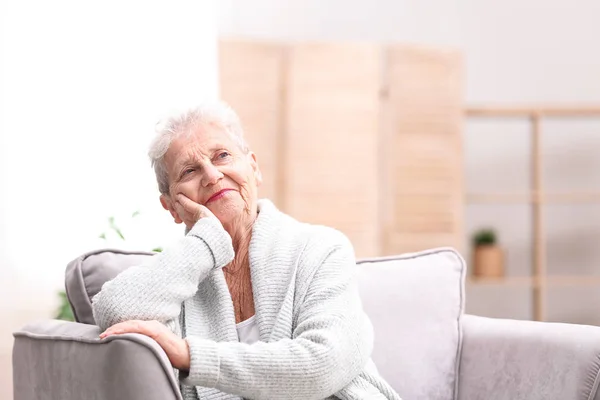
{"type": "Point", "coordinates": [210, 168]}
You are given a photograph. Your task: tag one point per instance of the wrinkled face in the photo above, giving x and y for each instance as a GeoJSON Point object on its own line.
{"type": "Point", "coordinates": [210, 168]}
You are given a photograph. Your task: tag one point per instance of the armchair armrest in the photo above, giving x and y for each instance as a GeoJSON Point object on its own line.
{"type": "Point", "coordinates": [514, 360]}
{"type": "Point", "coordinates": [65, 360]}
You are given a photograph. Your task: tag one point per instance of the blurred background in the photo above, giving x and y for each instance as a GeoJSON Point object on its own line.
{"type": "Point", "coordinates": [407, 124]}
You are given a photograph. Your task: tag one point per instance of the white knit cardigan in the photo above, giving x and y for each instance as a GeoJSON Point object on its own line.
{"type": "Point", "coordinates": [315, 339]}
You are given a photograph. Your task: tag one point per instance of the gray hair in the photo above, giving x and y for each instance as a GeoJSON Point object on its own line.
{"type": "Point", "coordinates": [212, 114]}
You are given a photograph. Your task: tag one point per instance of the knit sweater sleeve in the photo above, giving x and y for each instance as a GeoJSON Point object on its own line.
{"type": "Point", "coordinates": [156, 291]}
{"type": "Point", "coordinates": [330, 345]}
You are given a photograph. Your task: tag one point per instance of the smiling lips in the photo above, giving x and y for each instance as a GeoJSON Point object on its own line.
{"type": "Point", "coordinates": [217, 195]}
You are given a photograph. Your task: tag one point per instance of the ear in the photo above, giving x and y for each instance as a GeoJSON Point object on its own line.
{"type": "Point", "coordinates": [167, 204]}
{"type": "Point", "coordinates": [255, 168]}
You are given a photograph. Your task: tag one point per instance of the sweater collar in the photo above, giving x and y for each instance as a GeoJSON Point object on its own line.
{"type": "Point", "coordinates": [270, 277]}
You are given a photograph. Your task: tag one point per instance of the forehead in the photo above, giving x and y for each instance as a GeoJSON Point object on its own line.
{"type": "Point", "coordinates": [202, 141]}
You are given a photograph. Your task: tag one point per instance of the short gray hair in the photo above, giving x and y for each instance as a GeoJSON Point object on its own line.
{"type": "Point", "coordinates": [211, 114]}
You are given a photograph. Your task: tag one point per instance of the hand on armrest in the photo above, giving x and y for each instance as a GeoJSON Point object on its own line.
{"type": "Point", "coordinates": [514, 360]}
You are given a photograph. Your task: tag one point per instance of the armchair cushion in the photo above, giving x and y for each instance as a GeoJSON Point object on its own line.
{"type": "Point", "coordinates": [521, 360]}
{"type": "Point", "coordinates": [415, 302]}
{"type": "Point", "coordinates": [86, 274]}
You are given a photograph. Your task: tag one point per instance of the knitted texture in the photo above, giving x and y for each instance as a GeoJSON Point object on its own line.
{"type": "Point", "coordinates": [315, 339]}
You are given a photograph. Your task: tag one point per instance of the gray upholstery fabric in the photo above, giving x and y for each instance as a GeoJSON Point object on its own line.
{"type": "Point", "coordinates": [63, 360]}
{"type": "Point", "coordinates": [415, 302]}
{"type": "Point", "coordinates": [518, 360]}
{"type": "Point", "coordinates": [86, 274]}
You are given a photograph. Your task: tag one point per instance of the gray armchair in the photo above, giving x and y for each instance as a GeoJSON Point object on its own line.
{"type": "Point", "coordinates": [425, 346]}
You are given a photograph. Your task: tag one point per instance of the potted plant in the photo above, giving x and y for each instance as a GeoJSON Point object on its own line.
{"type": "Point", "coordinates": [488, 257]}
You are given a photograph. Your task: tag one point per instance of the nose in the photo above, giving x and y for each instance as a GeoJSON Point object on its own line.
{"type": "Point", "coordinates": [211, 175]}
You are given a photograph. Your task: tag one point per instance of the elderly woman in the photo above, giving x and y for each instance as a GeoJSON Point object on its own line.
{"type": "Point", "coordinates": [250, 303]}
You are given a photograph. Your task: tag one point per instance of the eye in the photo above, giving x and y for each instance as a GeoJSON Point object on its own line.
{"type": "Point", "coordinates": [223, 155]}
{"type": "Point", "coordinates": [187, 171]}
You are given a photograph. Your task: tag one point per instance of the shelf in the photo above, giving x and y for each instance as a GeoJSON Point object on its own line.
{"type": "Point", "coordinates": [507, 281]}
{"type": "Point", "coordinates": [573, 280]}
{"type": "Point", "coordinates": [551, 111]}
{"type": "Point", "coordinates": [527, 281]}
{"type": "Point", "coordinates": [534, 198]}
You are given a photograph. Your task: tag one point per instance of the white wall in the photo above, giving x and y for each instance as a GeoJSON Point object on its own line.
{"type": "Point", "coordinates": [423, 21]}
{"type": "Point", "coordinates": [531, 51]}
{"type": "Point", "coordinates": [535, 51]}
{"type": "Point", "coordinates": [83, 84]}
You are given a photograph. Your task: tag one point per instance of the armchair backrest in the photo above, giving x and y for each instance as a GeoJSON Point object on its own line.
{"type": "Point", "coordinates": [86, 274]}
{"type": "Point", "coordinates": [415, 302]}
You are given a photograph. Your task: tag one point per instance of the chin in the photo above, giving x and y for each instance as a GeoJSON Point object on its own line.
{"type": "Point", "coordinates": [227, 213]}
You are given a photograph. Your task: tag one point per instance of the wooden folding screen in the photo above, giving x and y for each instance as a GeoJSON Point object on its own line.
{"type": "Point", "coordinates": [356, 136]}
{"type": "Point", "coordinates": [332, 141]}
{"type": "Point", "coordinates": [424, 190]}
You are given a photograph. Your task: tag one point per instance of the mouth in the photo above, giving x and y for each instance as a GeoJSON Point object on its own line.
{"type": "Point", "coordinates": [217, 195]}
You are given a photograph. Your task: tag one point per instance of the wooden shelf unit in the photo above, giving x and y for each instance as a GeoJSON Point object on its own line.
{"type": "Point", "coordinates": [528, 281]}
{"type": "Point", "coordinates": [537, 197]}
{"type": "Point", "coordinates": [545, 198]}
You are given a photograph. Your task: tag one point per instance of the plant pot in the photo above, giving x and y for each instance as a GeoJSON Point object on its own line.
{"type": "Point", "coordinates": [488, 261]}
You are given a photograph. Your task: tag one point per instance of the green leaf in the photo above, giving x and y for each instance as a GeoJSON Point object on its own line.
{"type": "Point", "coordinates": [157, 249]}
{"type": "Point", "coordinates": [119, 233]}
{"type": "Point", "coordinates": [64, 311]}
{"type": "Point", "coordinates": [484, 237]}
{"type": "Point", "coordinates": [102, 236]}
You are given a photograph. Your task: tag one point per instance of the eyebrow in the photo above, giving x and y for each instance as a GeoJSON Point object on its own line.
{"type": "Point", "coordinates": [181, 163]}
{"type": "Point", "coordinates": [188, 160]}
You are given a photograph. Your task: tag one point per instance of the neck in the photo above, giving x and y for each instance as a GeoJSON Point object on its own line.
{"type": "Point", "coordinates": [237, 273]}
{"type": "Point", "coordinates": [241, 233]}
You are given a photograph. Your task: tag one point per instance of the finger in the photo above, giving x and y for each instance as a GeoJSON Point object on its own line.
{"type": "Point", "coordinates": [122, 327]}
{"type": "Point", "coordinates": [147, 328]}
{"type": "Point", "coordinates": [188, 205]}
{"type": "Point", "coordinates": [205, 211]}
{"type": "Point", "coordinates": [109, 331]}
{"type": "Point", "coordinates": [179, 212]}
{"type": "Point", "coordinates": [202, 211]}
{"type": "Point", "coordinates": [156, 329]}
{"type": "Point", "coordinates": [184, 216]}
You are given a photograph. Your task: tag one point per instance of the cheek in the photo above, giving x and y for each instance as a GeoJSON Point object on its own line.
{"type": "Point", "coordinates": [189, 188]}
{"type": "Point", "coordinates": [238, 175]}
